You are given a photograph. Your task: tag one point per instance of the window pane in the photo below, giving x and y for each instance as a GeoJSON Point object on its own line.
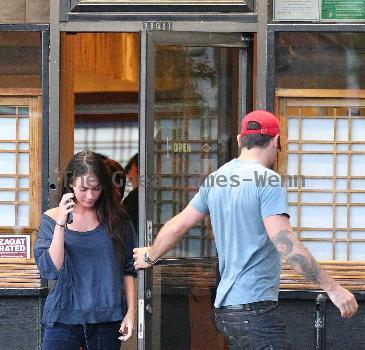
{"type": "Point", "coordinates": [7, 129]}
{"type": "Point", "coordinates": [317, 164]}
{"type": "Point", "coordinates": [310, 60]}
{"type": "Point", "coordinates": [23, 131]}
{"type": "Point", "coordinates": [316, 216]}
{"type": "Point", "coordinates": [7, 182]}
{"type": "Point", "coordinates": [7, 163]}
{"type": "Point", "coordinates": [23, 182]}
{"type": "Point", "coordinates": [8, 146]}
{"type": "Point", "coordinates": [23, 196]}
{"type": "Point", "coordinates": [317, 129]}
{"type": "Point", "coordinates": [23, 163]}
{"type": "Point", "coordinates": [23, 215]}
{"type": "Point", "coordinates": [7, 196]}
{"type": "Point", "coordinates": [7, 217]}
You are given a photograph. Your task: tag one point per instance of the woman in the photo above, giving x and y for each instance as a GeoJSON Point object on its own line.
{"type": "Point", "coordinates": [93, 301]}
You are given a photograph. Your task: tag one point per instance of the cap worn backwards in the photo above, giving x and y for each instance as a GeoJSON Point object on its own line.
{"type": "Point", "coordinates": [269, 124]}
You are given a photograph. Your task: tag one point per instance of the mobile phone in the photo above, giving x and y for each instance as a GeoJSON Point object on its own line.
{"type": "Point", "coordinates": [70, 218]}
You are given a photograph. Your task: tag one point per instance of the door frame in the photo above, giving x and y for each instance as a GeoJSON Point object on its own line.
{"type": "Point", "coordinates": [215, 24]}
{"type": "Point", "coordinates": [148, 39]}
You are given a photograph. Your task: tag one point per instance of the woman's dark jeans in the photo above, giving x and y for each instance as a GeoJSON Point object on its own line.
{"type": "Point", "coordinates": [256, 329]}
{"type": "Point", "coordinates": [98, 336]}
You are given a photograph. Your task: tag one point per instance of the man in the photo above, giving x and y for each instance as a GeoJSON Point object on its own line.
{"type": "Point", "coordinates": [130, 203]}
{"type": "Point", "coordinates": [251, 226]}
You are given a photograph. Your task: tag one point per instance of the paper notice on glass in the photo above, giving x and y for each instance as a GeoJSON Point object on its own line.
{"type": "Point", "coordinates": [15, 246]}
{"type": "Point", "coordinates": [296, 10]}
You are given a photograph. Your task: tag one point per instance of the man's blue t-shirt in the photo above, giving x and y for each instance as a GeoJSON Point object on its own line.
{"type": "Point", "coordinates": [238, 196]}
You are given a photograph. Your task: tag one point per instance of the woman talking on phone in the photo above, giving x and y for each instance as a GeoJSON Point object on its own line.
{"type": "Point", "coordinates": [93, 301]}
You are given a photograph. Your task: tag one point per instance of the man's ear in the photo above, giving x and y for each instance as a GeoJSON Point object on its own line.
{"type": "Point", "coordinates": [239, 142]}
{"type": "Point", "coordinates": [277, 142]}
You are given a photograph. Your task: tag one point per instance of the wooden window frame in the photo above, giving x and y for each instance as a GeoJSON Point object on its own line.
{"type": "Point", "coordinates": [22, 272]}
{"type": "Point", "coordinates": [349, 273]}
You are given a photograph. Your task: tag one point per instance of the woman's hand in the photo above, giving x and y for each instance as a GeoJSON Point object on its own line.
{"type": "Point", "coordinates": [127, 326]}
{"type": "Point", "coordinates": [65, 207]}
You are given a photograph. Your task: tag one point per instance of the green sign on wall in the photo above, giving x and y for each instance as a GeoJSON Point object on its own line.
{"type": "Point", "coordinates": [343, 10]}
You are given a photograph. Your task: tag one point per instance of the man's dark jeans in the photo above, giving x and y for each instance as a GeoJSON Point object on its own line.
{"type": "Point", "coordinates": [99, 336]}
{"type": "Point", "coordinates": [260, 328]}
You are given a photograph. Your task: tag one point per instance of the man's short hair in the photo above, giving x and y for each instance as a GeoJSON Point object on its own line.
{"type": "Point", "coordinates": [133, 160]}
{"type": "Point", "coordinates": [254, 140]}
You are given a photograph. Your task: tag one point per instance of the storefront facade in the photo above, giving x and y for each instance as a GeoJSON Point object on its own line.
{"type": "Point", "coordinates": [172, 81]}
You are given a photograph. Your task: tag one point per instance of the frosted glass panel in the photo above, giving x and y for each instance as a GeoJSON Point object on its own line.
{"type": "Point", "coordinates": [316, 234]}
{"type": "Point", "coordinates": [23, 215]}
{"type": "Point", "coordinates": [341, 184]}
{"type": "Point", "coordinates": [8, 146]}
{"type": "Point", "coordinates": [23, 131]}
{"type": "Point", "coordinates": [341, 165]}
{"type": "Point", "coordinates": [8, 196]}
{"type": "Point", "coordinates": [23, 146]}
{"type": "Point", "coordinates": [293, 147]}
{"type": "Point", "coordinates": [7, 182]}
{"type": "Point", "coordinates": [293, 215]}
{"type": "Point", "coordinates": [317, 129]}
{"type": "Point", "coordinates": [7, 129]}
{"type": "Point", "coordinates": [357, 165]}
{"type": "Point", "coordinates": [293, 129]}
{"type": "Point", "coordinates": [7, 163]}
{"type": "Point", "coordinates": [357, 217]}
{"type": "Point", "coordinates": [357, 251]}
{"type": "Point", "coordinates": [7, 217]}
{"type": "Point", "coordinates": [342, 147]}
{"type": "Point", "coordinates": [341, 235]}
{"type": "Point", "coordinates": [358, 184]}
{"type": "Point", "coordinates": [23, 182]}
{"type": "Point", "coordinates": [358, 198]}
{"type": "Point", "coordinates": [292, 166]}
{"type": "Point", "coordinates": [358, 130]}
{"type": "Point", "coordinates": [316, 216]}
{"type": "Point", "coordinates": [292, 197]}
{"type": "Point", "coordinates": [319, 184]}
{"type": "Point", "coordinates": [357, 234]}
{"type": "Point", "coordinates": [23, 163]}
{"type": "Point", "coordinates": [320, 250]}
{"type": "Point", "coordinates": [104, 134]}
{"type": "Point", "coordinates": [23, 196]}
{"type": "Point", "coordinates": [317, 147]}
{"type": "Point", "coordinates": [342, 130]}
{"type": "Point", "coordinates": [341, 251]}
{"type": "Point", "coordinates": [316, 197]}
{"type": "Point", "coordinates": [341, 217]}
{"type": "Point", "coordinates": [317, 165]}
{"type": "Point", "coordinates": [341, 197]}
{"type": "Point", "coordinates": [357, 147]}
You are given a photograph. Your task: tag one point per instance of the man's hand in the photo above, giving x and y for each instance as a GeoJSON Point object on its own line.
{"type": "Point", "coordinates": [344, 300]}
{"type": "Point", "coordinates": [138, 256]}
{"type": "Point", "coordinates": [127, 326]}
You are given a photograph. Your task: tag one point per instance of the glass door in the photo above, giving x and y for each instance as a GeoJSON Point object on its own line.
{"type": "Point", "coordinates": [195, 87]}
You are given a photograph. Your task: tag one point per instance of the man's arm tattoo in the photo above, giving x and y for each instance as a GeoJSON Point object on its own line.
{"type": "Point", "coordinates": [283, 243]}
{"type": "Point", "coordinates": [306, 265]}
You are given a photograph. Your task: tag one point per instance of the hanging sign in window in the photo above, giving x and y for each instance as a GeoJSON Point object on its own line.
{"type": "Point", "coordinates": [15, 246]}
{"type": "Point", "coordinates": [343, 10]}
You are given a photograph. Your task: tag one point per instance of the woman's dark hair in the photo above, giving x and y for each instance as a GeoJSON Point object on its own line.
{"type": "Point", "coordinates": [107, 207]}
{"type": "Point", "coordinates": [254, 140]}
{"type": "Point", "coordinates": [117, 174]}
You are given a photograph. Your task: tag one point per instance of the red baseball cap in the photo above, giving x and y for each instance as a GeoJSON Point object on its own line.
{"type": "Point", "coordinates": [268, 122]}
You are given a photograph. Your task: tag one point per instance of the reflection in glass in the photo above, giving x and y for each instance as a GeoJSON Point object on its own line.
{"type": "Point", "coordinates": [193, 127]}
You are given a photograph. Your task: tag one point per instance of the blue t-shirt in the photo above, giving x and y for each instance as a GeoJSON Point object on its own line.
{"type": "Point", "coordinates": [238, 196]}
{"type": "Point", "coordinates": [89, 286]}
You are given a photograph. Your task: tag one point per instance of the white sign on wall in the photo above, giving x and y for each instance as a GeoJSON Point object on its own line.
{"type": "Point", "coordinates": [296, 10]}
